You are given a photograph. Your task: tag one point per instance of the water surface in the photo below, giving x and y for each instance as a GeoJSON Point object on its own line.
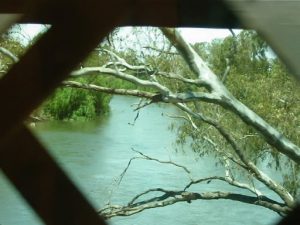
{"type": "Point", "coordinates": [95, 153]}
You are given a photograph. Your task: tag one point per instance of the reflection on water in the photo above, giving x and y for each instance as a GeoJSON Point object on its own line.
{"type": "Point", "coordinates": [95, 153]}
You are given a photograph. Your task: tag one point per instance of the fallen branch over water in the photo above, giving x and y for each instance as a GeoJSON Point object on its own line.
{"type": "Point", "coordinates": [171, 197]}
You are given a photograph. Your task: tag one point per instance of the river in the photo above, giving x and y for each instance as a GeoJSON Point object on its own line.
{"type": "Point", "coordinates": [95, 153]}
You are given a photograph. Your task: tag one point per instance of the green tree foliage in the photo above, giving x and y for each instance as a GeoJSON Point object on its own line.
{"type": "Point", "coordinates": [65, 103]}
{"type": "Point", "coordinates": [261, 81]}
{"type": "Point", "coordinates": [11, 45]}
{"type": "Point", "coordinates": [76, 104]}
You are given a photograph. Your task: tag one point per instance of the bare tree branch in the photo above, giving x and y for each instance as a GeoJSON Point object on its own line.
{"type": "Point", "coordinates": [9, 54]}
{"type": "Point", "coordinates": [146, 157]}
{"type": "Point", "coordinates": [167, 96]}
{"type": "Point", "coordinates": [229, 178]}
{"type": "Point", "coordinates": [161, 161]}
{"type": "Point", "coordinates": [186, 118]}
{"type": "Point", "coordinates": [226, 154]}
{"type": "Point", "coordinates": [181, 78]}
{"type": "Point", "coordinates": [259, 175]}
{"type": "Point", "coordinates": [161, 51]}
{"type": "Point", "coordinates": [114, 91]}
{"type": "Point", "coordinates": [250, 166]}
{"type": "Point", "coordinates": [227, 100]}
{"type": "Point", "coordinates": [226, 71]}
{"type": "Point", "coordinates": [154, 97]}
{"type": "Point", "coordinates": [229, 60]}
{"type": "Point", "coordinates": [121, 75]}
{"type": "Point", "coordinates": [122, 62]}
{"type": "Point", "coordinates": [218, 94]}
{"type": "Point", "coordinates": [148, 191]}
{"type": "Point", "coordinates": [172, 197]}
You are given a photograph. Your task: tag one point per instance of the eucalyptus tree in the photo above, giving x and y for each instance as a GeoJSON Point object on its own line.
{"type": "Point", "coordinates": [211, 84]}
{"type": "Point", "coordinates": [183, 75]}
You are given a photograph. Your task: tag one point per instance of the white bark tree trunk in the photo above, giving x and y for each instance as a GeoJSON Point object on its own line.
{"type": "Point", "coordinates": [208, 79]}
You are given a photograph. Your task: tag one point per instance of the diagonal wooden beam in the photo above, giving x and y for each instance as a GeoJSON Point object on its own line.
{"type": "Point", "coordinates": [45, 66]}
{"type": "Point", "coordinates": [14, 6]}
{"type": "Point", "coordinates": [43, 184]}
{"type": "Point", "coordinates": [204, 13]}
{"type": "Point", "coordinates": [76, 30]}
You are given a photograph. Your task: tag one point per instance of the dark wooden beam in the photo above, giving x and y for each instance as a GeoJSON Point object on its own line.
{"type": "Point", "coordinates": [76, 29]}
{"type": "Point", "coordinates": [173, 13]}
{"type": "Point", "coordinates": [15, 6]}
{"type": "Point", "coordinates": [43, 184]}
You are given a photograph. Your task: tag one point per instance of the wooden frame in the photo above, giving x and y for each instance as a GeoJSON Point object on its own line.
{"type": "Point", "coordinates": [77, 27]}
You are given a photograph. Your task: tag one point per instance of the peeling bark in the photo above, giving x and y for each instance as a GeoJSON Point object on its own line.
{"type": "Point", "coordinates": [228, 101]}
{"type": "Point", "coordinates": [173, 197]}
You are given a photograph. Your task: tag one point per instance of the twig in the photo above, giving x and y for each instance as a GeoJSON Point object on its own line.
{"type": "Point", "coordinates": [135, 118]}
{"type": "Point", "coordinates": [161, 161]}
{"type": "Point", "coordinates": [188, 119]}
{"type": "Point", "coordinates": [115, 91]}
{"type": "Point", "coordinates": [8, 53]}
{"type": "Point", "coordinates": [161, 51]}
{"type": "Point", "coordinates": [249, 166]}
